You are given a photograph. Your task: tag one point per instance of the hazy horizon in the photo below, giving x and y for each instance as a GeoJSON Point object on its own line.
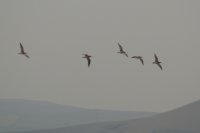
{"type": "Point", "coordinates": [55, 34]}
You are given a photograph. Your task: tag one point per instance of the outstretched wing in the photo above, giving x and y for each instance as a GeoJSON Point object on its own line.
{"type": "Point", "coordinates": [120, 47]}
{"type": "Point", "coordinates": [142, 61]}
{"type": "Point", "coordinates": [21, 47]}
{"type": "Point", "coordinates": [27, 56]}
{"type": "Point", "coordinates": [159, 65]}
{"type": "Point", "coordinates": [126, 54]}
{"type": "Point", "coordinates": [134, 57]}
{"type": "Point", "coordinates": [156, 58]}
{"type": "Point", "coordinates": [89, 61]}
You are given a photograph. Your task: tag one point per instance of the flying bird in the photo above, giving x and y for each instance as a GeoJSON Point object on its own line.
{"type": "Point", "coordinates": [22, 52]}
{"type": "Point", "coordinates": [88, 58]}
{"type": "Point", "coordinates": [157, 62]}
{"type": "Point", "coordinates": [140, 58]}
{"type": "Point", "coordinates": [121, 50]}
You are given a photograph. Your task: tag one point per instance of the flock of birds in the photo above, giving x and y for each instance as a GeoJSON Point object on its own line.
{"type": "Point", "coordinates": [88, 57]}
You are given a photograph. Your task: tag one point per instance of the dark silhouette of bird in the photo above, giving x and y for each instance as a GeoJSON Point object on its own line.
{"type": "Point", "coordinates": [121, 50]}
{"type": "Point", "coordinates": [157, 62]}
{"type": "Point", "coordinates": [22, 52]}
{"type": "Point", "coordinates": [140, 58]}
{"type": "Point", "coordinates": [88, 58]}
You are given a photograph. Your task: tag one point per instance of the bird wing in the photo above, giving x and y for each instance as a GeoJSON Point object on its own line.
{"type": "Point", "coordinates": [134, 57]}
{"type": "Point", "coordinates": [27, 56]}
{"type": "Point", "coordinates": [89, 61]}
{"type": "Point", "coordinates": [22, 48]}
{"type": "Point", "coordinates": [156, 58]}
{"type": "Point", "coordinates": [120, 47]}
{"type": "Point", "coordinates": [142, 61]}
{"type": "Point", "coordinates": [126, 54]}
{"type": "Point", "coordinates": [159, 66]}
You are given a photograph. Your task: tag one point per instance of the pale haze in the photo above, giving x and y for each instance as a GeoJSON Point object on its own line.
{"type": "Point", "coordinates": [55, 34]}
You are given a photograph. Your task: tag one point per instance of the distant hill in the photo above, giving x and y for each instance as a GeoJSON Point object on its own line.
{"type": "Point", "coordinates": [24, 115]}
{"type": "Point", "coordinates": [182, 120]}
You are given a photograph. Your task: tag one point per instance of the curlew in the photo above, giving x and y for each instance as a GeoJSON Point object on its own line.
{"type": "Point", "coordinates": [157, 62]}
{"type": "Point", "coordinates": [121, 50]}
{"type": "Point", "coordinates": [88, 58]}
{"type": "Point", "coordinates": [140, 58]}
{"type": "Point", "coordinates": [22, 52]}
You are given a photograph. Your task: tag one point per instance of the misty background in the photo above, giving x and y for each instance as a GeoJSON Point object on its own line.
{"type": "Point", "coordinates": [55, 34]}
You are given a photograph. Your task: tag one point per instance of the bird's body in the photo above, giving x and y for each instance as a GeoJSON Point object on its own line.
{"type": "Point", "coordinates": [140, 58]}
{"type": "Point", "coordinates": [157, 62]}
{"type": "Point", "coordinates": [22, 52]}
{"type": "Point", "coordinates": [88, 58]}
{"type": "Point", "coordinates": [121, 51]}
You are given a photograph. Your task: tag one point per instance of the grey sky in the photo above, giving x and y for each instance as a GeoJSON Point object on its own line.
{"type": "Point", "coordinates": [56, 34]}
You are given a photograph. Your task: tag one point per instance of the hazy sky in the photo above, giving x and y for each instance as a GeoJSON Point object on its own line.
{"type": "Point", "coordinates": [56, 33]}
